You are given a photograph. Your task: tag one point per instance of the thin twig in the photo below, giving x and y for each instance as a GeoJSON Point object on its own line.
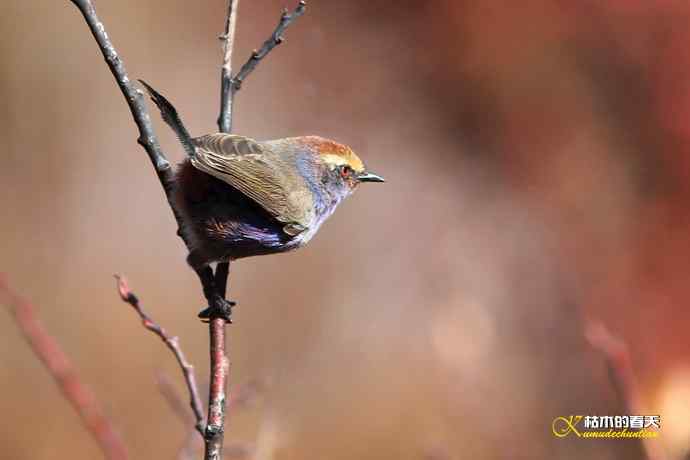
{"type": "Point", "coordinates": [134, 97]}
{"type": "Point", "coordinates": [617, 358]}
{"type": "Point", "coordinates": [240, 396]}
{"type": "Point", "coordinates": [220, 365]}
{"type": "Point", "coordinates": [80, 396]}
{"type": "Point", "coordinates": [220, 369]}
{"type": "Point", "coordinates": [274, 40]}
{"type": "Point", "coordinates": [192, 441]}
{"type": "Point", "coordinates": [226, 92]}
{"type": "Point", "coordinates": [229, 85]}
{"type": "Point", "coordinates": [227, 96]}
{"type": "Point", "coordinates": [135, 100]}
{"type": "Point", "coordinates": [173, 345]}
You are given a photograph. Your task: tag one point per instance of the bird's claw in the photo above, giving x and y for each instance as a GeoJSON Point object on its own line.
{"type": "Point", "coordinates": [218, 308]}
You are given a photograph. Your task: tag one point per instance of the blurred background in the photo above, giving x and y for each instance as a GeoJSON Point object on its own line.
{"type": "Point", "coordinates": [538, 165]}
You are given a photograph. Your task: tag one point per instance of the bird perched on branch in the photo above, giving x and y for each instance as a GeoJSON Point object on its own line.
{"type": "Point", "coordinates": [238, 197]}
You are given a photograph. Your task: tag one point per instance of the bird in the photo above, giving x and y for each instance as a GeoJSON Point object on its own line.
{"type": "Point", "coordinates": [237, 197]}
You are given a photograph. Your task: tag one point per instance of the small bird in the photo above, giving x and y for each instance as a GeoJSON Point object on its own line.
{"type": "Point", "coordinates": [238, 197]}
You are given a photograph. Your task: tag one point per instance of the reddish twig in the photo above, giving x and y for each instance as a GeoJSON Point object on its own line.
{"type": "Point", "coordinates": [220, 367]}
{"type": "Point", "coordinates": [241, 396]}
{"type": "Point", "coordinates": [192, 441]}
{"type": "Point", "coordinates": [173, 344]}
{"type": "Point", "coordinates": [226, 87]}
{"type": "Point", "coordinates": [65, 375]}
{"type": "Point", "coordinates": [216, 399]}
{"type": "Point", "coordinates": [274, 40]}
{"type": "Point", "coordinates": [229, 85]}
{"type": "Point", "coordinates": [617, 358]}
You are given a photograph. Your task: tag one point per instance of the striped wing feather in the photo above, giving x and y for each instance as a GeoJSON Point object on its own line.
{"type": "Point", "coordinates": [241, 162]}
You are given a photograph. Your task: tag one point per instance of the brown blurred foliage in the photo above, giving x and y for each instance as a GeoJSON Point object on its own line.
{"type": "Point", "coordinates": [538, 164]}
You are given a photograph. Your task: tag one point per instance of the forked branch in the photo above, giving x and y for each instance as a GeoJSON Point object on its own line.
{"type": "Point", "coordinates": [229, 85]}
{"type": "Point", "coordinates": [214, 429]}
{"type": "Point", "coordinates": [274, 40]}
{"type": "Point", "coordinates": [173, 344]}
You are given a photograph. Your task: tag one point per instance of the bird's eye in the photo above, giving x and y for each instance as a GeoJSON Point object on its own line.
{"type": "Point", "coordinates": [345, 171]}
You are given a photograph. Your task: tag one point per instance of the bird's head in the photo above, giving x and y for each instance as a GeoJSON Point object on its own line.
{"type": "Point", "coordinates": [338, 165]}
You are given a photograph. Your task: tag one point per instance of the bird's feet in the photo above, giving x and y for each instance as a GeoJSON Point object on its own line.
{"type": "Point", "coordinates": [218, 308]}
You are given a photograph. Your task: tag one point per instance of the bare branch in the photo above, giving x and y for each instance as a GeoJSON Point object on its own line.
{"type": "Point", "coordinates": [274, 40]}
{"type": "Point", "coordinates": [192, 441]}
{"type": "Point", "coordinates": [135, 100]}
{"type": "Point", "coordinates": [220, 367]}
{"type": "Point", "coordinates": [213, 285]}
{"type": "Point", "coordinates": [80, 396]}
{"type": "Point", "coordinates": [241, 396]}
{"type": "Point", "coordinates": [173, 344]}
{"type": "Point", "coordinates": [226, 92]}
{"type": "Point", "coordinates": [229, 85]}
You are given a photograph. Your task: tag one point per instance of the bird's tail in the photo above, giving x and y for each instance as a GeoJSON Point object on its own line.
{"type": "Point", "coordinates": [171, 117]}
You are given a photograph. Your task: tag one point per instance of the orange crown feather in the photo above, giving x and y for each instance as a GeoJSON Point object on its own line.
{"type": "Point", "coordinates": [334, 153]}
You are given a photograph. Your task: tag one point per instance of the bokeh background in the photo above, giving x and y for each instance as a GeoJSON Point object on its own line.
{"type": "Point", "coordinates": [538, 164]}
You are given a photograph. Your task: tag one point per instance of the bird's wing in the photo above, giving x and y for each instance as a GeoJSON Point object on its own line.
{"type": "Point", "coordinates": [241, 162]}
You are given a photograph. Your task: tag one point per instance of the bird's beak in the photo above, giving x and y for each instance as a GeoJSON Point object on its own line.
{"type": "Point", "coordinates": [369, 177]}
